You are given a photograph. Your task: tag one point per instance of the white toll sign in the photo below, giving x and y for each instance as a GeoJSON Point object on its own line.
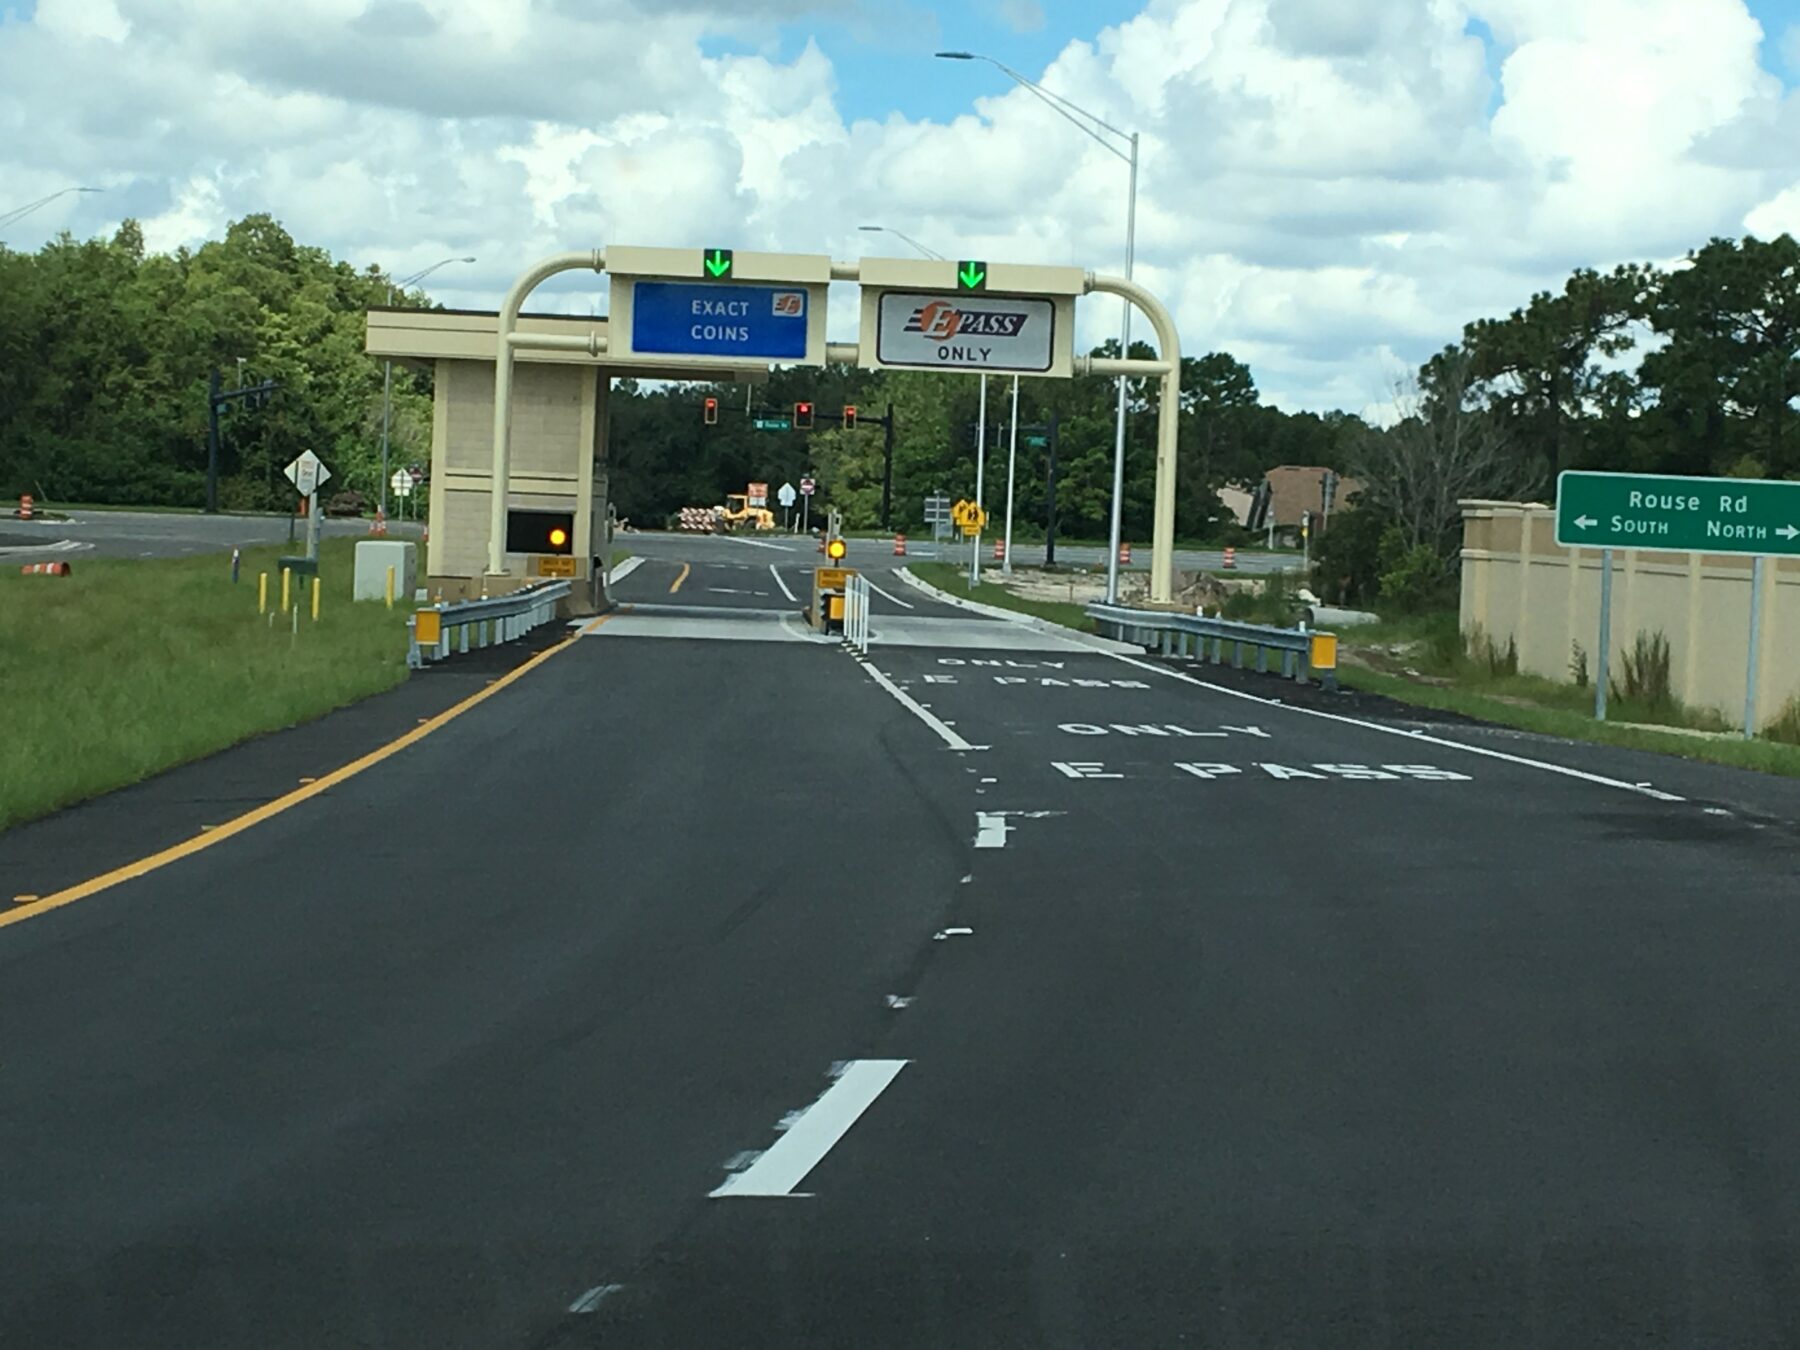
{"type": "Point", "coordinates": [785, 494]}
{"type": "Point", "coordinates": [401, 483]}
{"type": "Point", "coordinates": [307, 473]}
{"type": "Point", "coordinates": [965, 332]}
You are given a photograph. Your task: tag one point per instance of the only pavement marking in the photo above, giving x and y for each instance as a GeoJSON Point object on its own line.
{"type": "Point", "coordinates": [269, 810]}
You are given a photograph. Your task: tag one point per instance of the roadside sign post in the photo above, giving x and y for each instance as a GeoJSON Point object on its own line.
{"type": "Point", "coordinates": [1756, 517]}
{"type": "Point", "coordinates": [1603, 659]}
{"type": "Point", "coordinates": [785, 495]}
{"type": "Point", "coordinates": [980, 469]}
{"type": "Point", "coordinates": [806, 495]}
{"type": "Point", "coordinates": [1012, 459]}
{"type": "Point", "coordinates": [308, 475]}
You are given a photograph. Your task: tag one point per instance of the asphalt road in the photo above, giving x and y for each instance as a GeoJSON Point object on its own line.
{"type": "Point", "coordinates": [880, 552]}
{"type": "Point", "coordinates": [707, 985]}
{"type": "Point", "coordinates": [147, 534]}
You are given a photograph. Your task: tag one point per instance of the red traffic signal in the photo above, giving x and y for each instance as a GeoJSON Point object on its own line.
{"type": "Point", "coordinates": [803, 417]}
{"type": "Point", "coordinates": [849, 417]}
{"type": "Point", "coordinates": [712, 411]}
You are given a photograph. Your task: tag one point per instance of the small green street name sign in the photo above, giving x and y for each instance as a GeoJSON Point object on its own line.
{"type": "Point", "coordinates": [1679, 515]}
{"type": "Point", "coordinates": [772, 423]}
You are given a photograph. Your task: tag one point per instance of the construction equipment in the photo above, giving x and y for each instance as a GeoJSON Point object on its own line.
{"type": "Point", "coordinates": [737, 514]}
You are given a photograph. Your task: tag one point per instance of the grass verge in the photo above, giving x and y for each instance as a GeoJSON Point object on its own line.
{"type": "Point", "coordinates": [1763, 755]}
{"type": "Point", "coordinates": [124, 669]}
{"type": "Point", "coordinates": [952, 579]}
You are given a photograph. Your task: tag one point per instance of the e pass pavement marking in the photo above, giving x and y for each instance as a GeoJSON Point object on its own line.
{"type": "Point", "coordinates": [1351, 773]}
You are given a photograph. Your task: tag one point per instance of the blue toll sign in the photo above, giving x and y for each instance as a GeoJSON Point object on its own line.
{"type": "Point", "coordinates": [697, 318]}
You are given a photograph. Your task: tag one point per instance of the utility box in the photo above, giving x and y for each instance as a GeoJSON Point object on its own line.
{"type": "Point", "coordinates": [374, 557]}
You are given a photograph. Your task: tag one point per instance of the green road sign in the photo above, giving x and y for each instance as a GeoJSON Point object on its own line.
{"type": "Point", "coordinates": [971, 276]}
{"type": "Point", "coordinates": [718, 263]}
{"type": "Point", "coordinates": [1680, 515]}
{"type": "Point", "coordinates": [1036, 441]}
{"type": "Point", "coordinates": [772, 423]}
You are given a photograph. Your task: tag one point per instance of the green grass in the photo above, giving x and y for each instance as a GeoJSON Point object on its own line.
{"type": "Point", "coordinates": [954, 580]}
{"type": "Point", "coordinates": [124, 669]}
{"type": "Point", "coordinates": [1764, 755]}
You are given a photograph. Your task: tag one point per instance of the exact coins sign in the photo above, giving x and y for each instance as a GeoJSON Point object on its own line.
{"type": "Point", "coordinates": [965, 332]}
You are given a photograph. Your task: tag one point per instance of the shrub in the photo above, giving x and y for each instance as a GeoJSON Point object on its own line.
{"type": "Point", "coordinates": [1578, 665]}
{"type": "Point", "coordinates": [1644, 674]}
{"type": "Point", "coordinates": [1414, 577]}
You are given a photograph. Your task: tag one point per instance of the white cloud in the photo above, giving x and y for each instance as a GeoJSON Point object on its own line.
{"type": "Point", "coordinates": [1329, 188]}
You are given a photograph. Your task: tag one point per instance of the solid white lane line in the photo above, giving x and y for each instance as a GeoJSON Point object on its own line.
{"type": "Point", "coordinates": [990, 829]}
{"type": "Point", "coordinates": [754, 543]}
{"type": "Point", "coordinates": [896, 599]}
{"type": "Point", "coordinates": [784, 586]}
{"type": "Point", "coordinates": [1642, 789]}
{"type": "Point", "coordinates": [807, 1141]}
{"type": "Point", "coordinates": [906, 700]}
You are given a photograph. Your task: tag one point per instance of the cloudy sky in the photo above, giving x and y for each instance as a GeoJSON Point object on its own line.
{"type": "Point", "coordinates": [1329, 190]}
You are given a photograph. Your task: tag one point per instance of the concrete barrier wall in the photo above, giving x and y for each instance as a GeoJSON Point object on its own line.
{"type": "Point", "coordinates": [1518, 585]}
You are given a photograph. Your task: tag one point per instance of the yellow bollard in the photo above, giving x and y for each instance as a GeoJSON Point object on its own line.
{"type": "Point", "coordinates": [390, 588]}
{"type": "Point", "coordinates": [315, 599]}
{"type": "Point", "coordinates": [262, 592]}
{"type": "Point", "coordinates": [285, 574]}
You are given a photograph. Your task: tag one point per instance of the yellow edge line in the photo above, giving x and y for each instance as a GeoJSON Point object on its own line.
{"type": "Point", "coordinates": [675, 585]}
{"type": "Point", "coordinates": [269, 810]}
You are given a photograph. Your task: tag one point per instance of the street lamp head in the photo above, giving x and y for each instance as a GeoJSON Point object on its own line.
{"type": "Point", "coordinates": [469, 260]}
{"type": "Point", "coordinates": [956, 56]}
{"type": "Point", "coordinates": [873, 229]}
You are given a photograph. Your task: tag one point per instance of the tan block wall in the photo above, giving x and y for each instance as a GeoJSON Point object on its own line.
{"type": "Point", "coordinates": [1518, 584]}
{"type": "Point", "coordinates": [557, 413]}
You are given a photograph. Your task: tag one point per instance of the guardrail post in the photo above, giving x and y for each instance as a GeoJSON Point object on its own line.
{"type": "Point", "coordinates": [413, 660]}
{"type": "Point", "coordinates": [1287, 665]}
{"type": "Point", "coordinates": [1237, 656]}
{"type": "Point", "coordinates": [464, 628]}
{"type": "Point", "coordinates": [443, 646]}
{"type": "Point", "coordinates": [1262, 659]}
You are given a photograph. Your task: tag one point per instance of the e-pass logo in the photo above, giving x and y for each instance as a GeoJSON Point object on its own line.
{"type": "Point", "coordinates": [941, 321]}
{"type": "Point", "coordinates": [790, 304]}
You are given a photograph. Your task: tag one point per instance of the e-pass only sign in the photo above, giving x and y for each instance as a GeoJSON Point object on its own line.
{"type": "Point", "coordinates": [965, 332]}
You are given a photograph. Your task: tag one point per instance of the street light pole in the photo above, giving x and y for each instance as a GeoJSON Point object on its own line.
{"type": "Point", "coordinates": [387, 374]}
{"type": "Point", "coordinates": [20, 212]}
{"type": "Point", "coordinates": [1071, 112]}
{"type": "Point", "coordinates": [1012, 459]}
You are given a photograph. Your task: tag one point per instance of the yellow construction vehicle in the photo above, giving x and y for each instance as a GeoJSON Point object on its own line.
{"type": "Point", "coordinates": [738, 514]}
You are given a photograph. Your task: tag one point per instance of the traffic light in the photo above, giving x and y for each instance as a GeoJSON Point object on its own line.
{"type": "Point", "coordinates": [540, 532]}
{"type": "Point", "coordinates": [836, 549]}
{"type": "Point", "coordinates": [712, 411]}
{"type": "Point", "coordinates": [803, 417]}
{"type": "Point", "coordinates": [849, 417]}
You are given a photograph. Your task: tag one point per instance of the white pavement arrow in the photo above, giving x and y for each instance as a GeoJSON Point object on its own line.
{"type": "Point", "coordinates": [1787, 532]}
{"type": "Point", "coordinates": [1585, 522]}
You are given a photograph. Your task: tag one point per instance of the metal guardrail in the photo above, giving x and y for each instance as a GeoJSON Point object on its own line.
{"type": "Point", "coordinates": [1193, 635]}
{"type": "Point", "coordinates": [856, 613]}
{"type": "Point", "coordinates": [499, 618]}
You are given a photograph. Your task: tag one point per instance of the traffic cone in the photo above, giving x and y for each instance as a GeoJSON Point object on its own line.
{"type": "Point", "coordinates": [1230, 556]}
{"type": "Point", "coordinates": [899, 546]}
{"type": "Point", "coordinates": [25, 505]}
{"type": "Point", "coordinates": [378, 526]}
{"type": "Point", "coordinates": [55, 569]}
{"type": "Point", "coordinates": [1124, 553]}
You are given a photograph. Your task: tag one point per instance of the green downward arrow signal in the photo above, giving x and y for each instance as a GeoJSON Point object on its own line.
{"type": "Point", "coordinates": [972, 275]}
{"type": "Point", "coordinates": [718, 261]}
